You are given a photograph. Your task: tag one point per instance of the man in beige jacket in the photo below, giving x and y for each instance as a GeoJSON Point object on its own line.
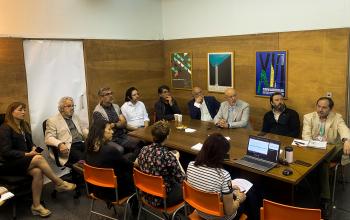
{"type": "Point", "coordinates": [326, 125]}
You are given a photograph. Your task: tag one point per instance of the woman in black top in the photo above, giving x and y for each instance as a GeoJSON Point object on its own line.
{"type": "Point", "coordinates": [103, 153]}
{"type": "Point", "coordinates": [18, 156]}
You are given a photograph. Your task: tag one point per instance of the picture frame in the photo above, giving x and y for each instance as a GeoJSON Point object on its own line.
{"type": "Point", "coordinates": [220, 71]}
{"type": "Point", "coordinates": [271, 73]}
{"type": "Point", "coordinates": [181, 70]}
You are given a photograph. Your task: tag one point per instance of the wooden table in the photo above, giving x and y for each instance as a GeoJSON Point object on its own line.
{"type": "Point", "coordinates": [182, 141]}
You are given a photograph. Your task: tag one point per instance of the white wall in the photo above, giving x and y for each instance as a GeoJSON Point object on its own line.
{"type": "Point", "coordinates": [94, 19]}
{"type": "Point", "coordinates": [205, 18]}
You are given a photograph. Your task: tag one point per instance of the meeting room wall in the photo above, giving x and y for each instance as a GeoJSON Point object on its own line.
{"type": "Point", "coordinates": [317, 63]}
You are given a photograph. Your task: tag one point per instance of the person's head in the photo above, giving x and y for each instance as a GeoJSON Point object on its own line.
{"type": "Point", "coordinates": [160, 131]}
{"type": "Point", "coordinates": [66, 106]}
{"type": "Point", "coordinates": [196, 92]}
{"type": "Point", "coordinates": [132, 94]}
{"type": "Point", "coordinates": [100, 133]}
{"type": "Point", "coordinates": [14, 116]}
{"type": "Point", "coordinates": [324, 105]}
{"type": "Point", "coordinates": [163, 91]}
{"type": "Point", "coordinates": [106, 96]}
{"type": "Point", "coordinates": [213, 151]}
{"type": "Point", "coordinates": [277, 102]}
{"type": "Point", "coordinates": [231, 96]}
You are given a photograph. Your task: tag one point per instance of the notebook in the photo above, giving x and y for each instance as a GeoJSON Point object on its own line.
{"type": "Point", "coordinates": [262, 153]}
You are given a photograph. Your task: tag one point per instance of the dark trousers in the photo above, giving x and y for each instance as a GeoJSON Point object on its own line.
{"type": "Point", "coordinates": [77, 152]}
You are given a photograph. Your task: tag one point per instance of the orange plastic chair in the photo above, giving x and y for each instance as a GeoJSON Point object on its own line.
{"type": "Point", "coordinates": [153, 185]}
{"type": "Point", "coordinates": [103, 177]}
{"type": "Point", "coordinates": [206, 202]}
{"type": "Point", "coordinates": [275, 211]}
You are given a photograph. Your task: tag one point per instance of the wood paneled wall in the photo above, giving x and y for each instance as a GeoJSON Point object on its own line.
{"type": "Point", "coordinates": [120, 64]}
{"type": "Point", "coordinates": [13, 83]}
{"type": "Point", "coordinates": [317, 63]}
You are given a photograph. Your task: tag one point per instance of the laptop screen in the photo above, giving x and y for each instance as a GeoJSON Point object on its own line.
{"type": "Point", "coordinates": [263, 148]}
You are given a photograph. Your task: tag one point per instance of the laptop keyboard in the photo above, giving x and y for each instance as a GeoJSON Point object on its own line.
{"type": "Point", "coordinates": [255, 164]}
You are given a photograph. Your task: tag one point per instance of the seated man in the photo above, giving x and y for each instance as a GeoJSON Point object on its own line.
{"type": "Point", "coordinates": [233, 113]}
{"type": "Point", "coordinates": [326, 125]}
{"type": "Point", "coordinates": [202, 107]}
{"type": "Point", "coordinates": [166, 106]}
{"type": "Point", "coordinates": [66, 132]}
{"type": "Point", "coordinates": [134, 110]}
{"type": "Point", "coordinates": [108, 111]}
{"type": "Point", "coordinates": [281, 120]}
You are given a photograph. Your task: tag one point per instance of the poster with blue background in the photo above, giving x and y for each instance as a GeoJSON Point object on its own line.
{"type": "Point", "coordinates": [271, 72]}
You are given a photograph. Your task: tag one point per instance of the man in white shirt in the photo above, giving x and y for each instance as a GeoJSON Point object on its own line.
{"type": "Point", "coordinates": [134, 110]}
{"type": "Point", "coordinates": [202, 107]}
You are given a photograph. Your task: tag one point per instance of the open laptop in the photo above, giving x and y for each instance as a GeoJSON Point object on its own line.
{"type": "Point", "coordinates": [262, 153]}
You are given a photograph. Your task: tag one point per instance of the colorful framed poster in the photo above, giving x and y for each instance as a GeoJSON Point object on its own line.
{"type": "Point", "coordinates": [220, 71]}
{"type": "Point", "coordinates": [181, 70]}
{"type": "Point", "coordinates": [271, 73]}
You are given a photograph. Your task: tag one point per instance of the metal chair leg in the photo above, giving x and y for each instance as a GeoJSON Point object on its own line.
{"type": "Point", "coordinates": [334, 183]}
{"type": "Point", "coordinates": [91, 208]}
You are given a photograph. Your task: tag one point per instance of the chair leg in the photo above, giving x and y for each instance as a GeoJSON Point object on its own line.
{"type": "Point", "coordinates": [334, 183]}
{"type": "Point", "coordinates": [139, 213]}
{"type": "Point", "coordinates": [91, 208]}
{"type": "Point", "coordinates": [14, 210]}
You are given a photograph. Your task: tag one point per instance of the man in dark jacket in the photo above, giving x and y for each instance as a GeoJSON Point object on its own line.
{"type": "Point", "coordinates": [281, 120]}
{"type": "Point", "coordinates": [202, 107]}
{"type": "Point", "coordinates": [166, 106]}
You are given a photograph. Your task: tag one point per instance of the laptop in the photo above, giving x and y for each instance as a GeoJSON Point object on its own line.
{"type": "Point", "coordinates": [262, 153]}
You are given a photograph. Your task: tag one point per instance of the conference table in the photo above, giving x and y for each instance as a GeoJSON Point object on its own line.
{"type": "Point", "coordinates": [182, 141]}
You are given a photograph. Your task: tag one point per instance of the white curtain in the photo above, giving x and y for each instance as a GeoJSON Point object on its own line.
{"type": "Point", "coordinates": [54, 68]}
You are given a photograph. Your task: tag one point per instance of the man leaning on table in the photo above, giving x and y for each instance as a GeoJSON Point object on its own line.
{"type": "Point", "coordinates": [326, 125]}
{"type": "Point", "coordinates": [233, 113]}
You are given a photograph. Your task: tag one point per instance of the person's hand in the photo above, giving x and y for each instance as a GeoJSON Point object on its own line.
{"type": "Point", "coordinates": [235, 187]}
{"type": "Point", "coordinates": [199, 99]}
{"type": "Point", "coordinates": [169, 99]}
{"type": "Point", "coordinates": [346, 148]}
{"type": "Point", "coordinates": [239, 195]}
{"type": "Point", "coordinates": [222, 123]}
{"type": "Point", "coordinates": [63, 148]}
{"type": "Point", "coordinates": [31, 153]}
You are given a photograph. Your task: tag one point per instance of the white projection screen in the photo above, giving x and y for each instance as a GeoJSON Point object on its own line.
{"type": "Point", "coordinates": [54, 68]}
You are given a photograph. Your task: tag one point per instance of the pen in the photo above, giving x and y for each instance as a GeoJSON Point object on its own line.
{"type": "Point", "coordinates": [299, 143]}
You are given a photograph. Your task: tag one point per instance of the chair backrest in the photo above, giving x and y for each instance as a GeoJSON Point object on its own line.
{"type": "Point", "coordinates": [209, 203]}
{"type": "Point", "coordinates": [272, 210]}
{"type": "Point", "coordinates": [102, 177]}
{"type": "Point", "coordinates": [150, 184]}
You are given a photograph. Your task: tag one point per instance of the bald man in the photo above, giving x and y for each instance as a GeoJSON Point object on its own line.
{"type": "Point", "coordinates": [233, 113]}
{"type": "Point", "coordinates": [202, 107]}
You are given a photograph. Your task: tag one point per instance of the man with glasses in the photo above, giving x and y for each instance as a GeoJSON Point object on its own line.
{"type": "Point", "coordinates": [66, 132]}
{"type": "Point", "coordinates": [233, 113]}
{"type": "Point", "coordinates": [106, 110]}
{"type": "Point", "coordinates": [202, 107]}
{"type": "Point", "coordinates": [166, 106]}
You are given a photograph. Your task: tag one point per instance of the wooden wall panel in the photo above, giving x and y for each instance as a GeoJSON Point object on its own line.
{"type": "Point", "coordinates": [120, 64]}
{"type": "Point", "coordinates": [317, 62]}
{"type": "Point", "coordinates": [13, 83]}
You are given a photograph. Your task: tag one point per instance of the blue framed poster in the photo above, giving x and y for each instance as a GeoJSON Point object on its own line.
{"type": "Point", "coordinates": [271, 73]}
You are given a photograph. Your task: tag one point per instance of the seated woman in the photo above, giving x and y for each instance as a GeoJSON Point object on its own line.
{"type": "Point", "coordinates": [103, 153]}
{"type": "Point", "coordinates": [134, 110]}
{"type": "Point", "coordinates": [156, 159]}
{"type": "Point", "coordinates": [19, 157]}
{"type": "Point", "coordinates": [207, 174]}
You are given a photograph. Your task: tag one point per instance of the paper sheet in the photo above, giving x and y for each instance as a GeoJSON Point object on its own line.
{"type": "Point", "coordinates": [197, 147]}
{"type": "Point", "coordinates": [243, 184]}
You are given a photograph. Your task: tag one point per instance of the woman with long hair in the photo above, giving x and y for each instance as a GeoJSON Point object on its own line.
{"type": "Point", "coordinates": [19, 156]}
{"type": "Point", "coordinates": [103, 153]}
{"type": "Point", "coordinates": [206, 173]}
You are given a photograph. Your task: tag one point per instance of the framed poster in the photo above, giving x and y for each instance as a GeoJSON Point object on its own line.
{"type": "Point", "coordinates": [271, 73]}
{"type": "Point", "coordinates": [220, 71]}
{"type": "Point", "coordinates": [181, 70]}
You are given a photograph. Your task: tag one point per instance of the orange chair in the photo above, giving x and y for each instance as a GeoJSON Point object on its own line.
{"type": "Point", "coordinates": [153, 185]}
{"type": "Point", "coordinates": [103, 177]}
{"type": "Point", "coordinates": [206, 202]}
{"type": "Point", "coordinates": [276, 211]}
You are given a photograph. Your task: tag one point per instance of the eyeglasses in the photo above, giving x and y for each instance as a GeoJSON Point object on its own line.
{"type": "Point", "coordinates": [69, 106]}
{"type": "Point", "coordinates": [108, 93]}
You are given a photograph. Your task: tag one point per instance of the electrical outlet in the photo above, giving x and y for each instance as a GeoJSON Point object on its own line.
{"type": "Point", "coordinates": [329, 94]}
